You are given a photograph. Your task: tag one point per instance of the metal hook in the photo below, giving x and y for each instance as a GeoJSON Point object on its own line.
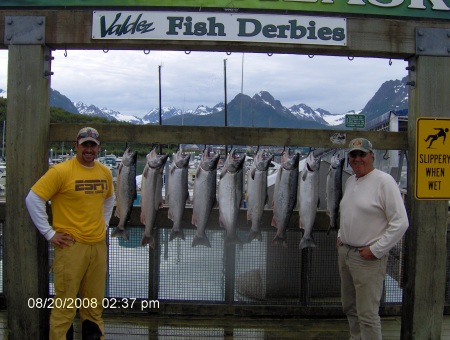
{"type": "Point", "coordinates": [228, 53]}
{"type": "Point", "coordinates": [390, 62]}
{"type": "Point", "coordinates": [187, 52]}
{"type": "Point", "coordinates": [65, 52]}
{"type": "Point", "coordinates": [350, 58]}
{"type": "Point", "coordinates": [385, 156]}
{"type": "Point", "coordinates": [105, 51]}
{"type": "Point", "coordinates": [147, 51]}
{"type": "Point", "coordinates": [310, 56]}
{"type": "Point", "coordinates": [270, 54]}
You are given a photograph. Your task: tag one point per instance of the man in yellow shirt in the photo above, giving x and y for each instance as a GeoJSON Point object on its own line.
{"type": "Point", "coordinates": [82, 199]}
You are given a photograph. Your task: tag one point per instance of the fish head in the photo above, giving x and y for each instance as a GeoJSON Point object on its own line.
{"type": "Point", "coordinates": [262, 160]}
{"type": "Point", "coordinates": [180, 160]}
{"type": "Point", "coordinates": [156, 161]}
{"type": "Point", "coordinates": [161, 160]}
{"type": "Point", "coordinates": [266, 161]}
{"type": "Point", "coordinates": [335, 161]}
{"type": "Point", "coordinates": [151, 156]}
{"type": "Point", "coordinates": [208, 162]}
{"type": "Point", "coordinates": [234, 162]}
{"type": "Point", "coordinates": [312, 163]}
{"type": "Point", "coordinates": [290, 162]}
{"type": "Point", "coordinates": [129, 157]}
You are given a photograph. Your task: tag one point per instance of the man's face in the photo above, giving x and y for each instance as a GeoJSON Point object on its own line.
{"type": "Point", "coordinates": [361, 162]}
{"type": "Point", "coordinates": [87, 152]}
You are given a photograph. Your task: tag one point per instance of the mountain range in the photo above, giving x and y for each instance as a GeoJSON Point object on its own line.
{"type": "Point", "coordinates": [261, 110]}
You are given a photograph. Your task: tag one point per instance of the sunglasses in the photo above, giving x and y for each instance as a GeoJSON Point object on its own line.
{"type": "Point", "coordinates": [88, 134]}
{"type": "Point", "coordinates": [355, 154]}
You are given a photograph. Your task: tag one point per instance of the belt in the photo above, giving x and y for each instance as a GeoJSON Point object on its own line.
{"type": "Point", "coordinates": [353, 247]}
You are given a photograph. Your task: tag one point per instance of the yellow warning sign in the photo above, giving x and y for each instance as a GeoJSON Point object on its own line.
{"type": "Point", "coordinates": [432, 159]}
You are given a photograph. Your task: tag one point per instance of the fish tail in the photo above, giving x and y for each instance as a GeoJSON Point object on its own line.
{"type": "Point", "coordinates": [331, 227]}
{"type": "Point", "coordinates": [232, 239]}
{"type": "Point", "coordinates": [118, 232]}
{"type": "Point", "coordinates": [333, 224]}
{"type": "Point", "coordinates": [176, 233]}
{"type": "Point", "coordinates": [150, 240]}
{"type": "Point", "coordinates": [201, 240]}
{"type": "Point", "coordinates": [280, 239]}
{"type": "Point", "coordinates": [254, 234]}
{"type": "Point", "coordinates": [307, 241]}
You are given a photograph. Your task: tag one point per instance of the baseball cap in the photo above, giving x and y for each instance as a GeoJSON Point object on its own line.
{"type": "Point", "coordinates": [87, 134]}
{"type": "Point", "coordinates": [361, 144]}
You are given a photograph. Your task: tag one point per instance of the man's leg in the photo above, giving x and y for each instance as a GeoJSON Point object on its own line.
{"type": "Point", "coordinates": [68, 269]}
{"type": "Point", "coordinates": [368, 277]}
{"type": "Point", "coordinates": [348, 293]}
{"type": "Point", "coordinates": [92, 292]}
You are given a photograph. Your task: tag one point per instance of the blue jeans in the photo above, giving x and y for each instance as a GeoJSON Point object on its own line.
{"type": "Point", "coordinates": [361, 291]}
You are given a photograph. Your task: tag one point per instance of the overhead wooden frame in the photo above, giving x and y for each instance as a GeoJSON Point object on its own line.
{"type": "Point", "coordinates": [367, 37]}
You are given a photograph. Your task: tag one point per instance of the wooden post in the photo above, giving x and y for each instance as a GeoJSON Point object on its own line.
{"type": "Point", "coordinates": [26, 256]}
{"type": "Point", "coordinates": [426, 253]}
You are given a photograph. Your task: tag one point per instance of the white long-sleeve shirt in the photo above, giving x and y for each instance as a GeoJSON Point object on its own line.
{"type": "Point", "coordinates": [372, 213]}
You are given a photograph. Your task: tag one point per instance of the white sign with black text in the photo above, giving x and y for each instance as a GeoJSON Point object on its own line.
{"type": "Point", "coordinates": [292, 29]}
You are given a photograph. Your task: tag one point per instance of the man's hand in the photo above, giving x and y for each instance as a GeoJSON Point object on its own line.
{"type": "Point", "coordinates": [366, 253]}
{"type": "Point", "coordinates": [62, 239]}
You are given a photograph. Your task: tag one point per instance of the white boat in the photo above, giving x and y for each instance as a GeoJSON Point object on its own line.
{"type": "Point", "coordinates": [110, 161]}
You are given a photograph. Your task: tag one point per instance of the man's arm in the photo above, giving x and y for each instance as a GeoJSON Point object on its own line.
{"type": "Point", "coordinates": [38, 214]}
{"type": "Point", "coordinates": [108, 207]}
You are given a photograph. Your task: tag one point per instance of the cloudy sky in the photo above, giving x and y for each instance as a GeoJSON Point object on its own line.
{"type": "Point", "coordinates": [128, 81]}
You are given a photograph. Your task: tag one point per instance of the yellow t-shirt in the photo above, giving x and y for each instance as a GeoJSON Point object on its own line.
{"type": "Point", "coordinates": [77, 195]}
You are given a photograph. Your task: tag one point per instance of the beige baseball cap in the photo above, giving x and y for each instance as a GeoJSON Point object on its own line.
{"type": "Point", "coordinates": [361, 144]}
{"type": "Point", "coordinates": [87, 134]}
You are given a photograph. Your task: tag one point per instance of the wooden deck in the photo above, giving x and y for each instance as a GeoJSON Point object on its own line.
{"type": "Point", "coordinates": [140, 326]}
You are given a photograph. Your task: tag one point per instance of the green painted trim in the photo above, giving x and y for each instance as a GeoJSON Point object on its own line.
{"type": "Point", "coordinates": [402, 8]}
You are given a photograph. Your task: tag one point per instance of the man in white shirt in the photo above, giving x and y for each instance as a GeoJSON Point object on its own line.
{"type": "Point", "coordinates": [373, 219]}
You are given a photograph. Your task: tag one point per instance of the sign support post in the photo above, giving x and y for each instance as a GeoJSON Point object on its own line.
{"type": "Point", "coordinates": [425, 240]}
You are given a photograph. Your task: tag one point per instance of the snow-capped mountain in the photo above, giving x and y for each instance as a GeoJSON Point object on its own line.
{"type": "Point", "coordinates": [202, 110]}
{"type": "Point", "coordinates": [303, 111]}
{"type": "Point", "coordinates": [392, 95]}
{"type": "Point", "coordinates": [152, 117]}
{"type": "Point", "coordinates": [92, 110]}
{"type": "Point", "coordinates": [262, 101]}
{"type": "Point", "coordinates": [261, 110]}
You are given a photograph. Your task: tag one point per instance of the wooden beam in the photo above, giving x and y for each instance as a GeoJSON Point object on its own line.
{"type": "Point", "coordinates": [321, 222]}
{"type": "Point", "coordinates": [367, 37]}
{"type": "Point", "coordinates": [172, 134]}
{"type": "Point", "coordinates": [26, 259]}
{"type": "Point", "coordinates": [426, 252]}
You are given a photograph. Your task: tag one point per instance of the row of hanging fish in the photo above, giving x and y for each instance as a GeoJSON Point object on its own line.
{"type": "Point", "coordinates": [292, 188]}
